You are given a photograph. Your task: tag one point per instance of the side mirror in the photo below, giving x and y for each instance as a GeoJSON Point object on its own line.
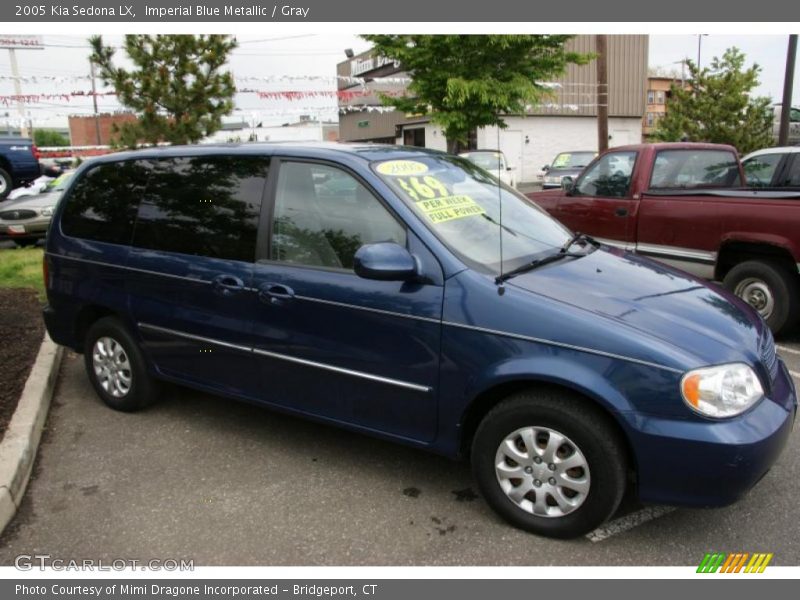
{"type": "Point", "coordinates": [567, 184]}
{"type": "Point", "coordinates": [385, 261]}
{"type": "Point", "coordinates": [546, 168]}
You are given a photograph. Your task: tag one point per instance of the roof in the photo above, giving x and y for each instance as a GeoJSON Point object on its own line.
{"type": "Point", "coordinates": [776, 150]}
{"type": "Point", "coordinates": [322, 150]}
{"type": "Point", "coordinates": [675, 146]}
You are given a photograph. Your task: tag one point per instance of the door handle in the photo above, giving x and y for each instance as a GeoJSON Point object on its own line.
{"type": "Point", "coordinates": [227, 285]}
{"type": "Point", "coordinates": [274, 293]}
{"type": "Point", "coordinates": [621, 212]}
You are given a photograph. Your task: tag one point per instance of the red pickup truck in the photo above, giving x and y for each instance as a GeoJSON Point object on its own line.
{"type": "Point", "coordinates": [685, 204]}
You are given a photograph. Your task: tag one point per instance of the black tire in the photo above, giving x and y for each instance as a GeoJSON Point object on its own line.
{"type": "Point", "coordinates": [6, 184]}
{"type": "Point", "coordinates": [143, 389]}
{"type": "Point", "coordinates": [25, 243]}
{"type": "Point", "coordinates": [782, 284]}
{"type": "Point", "coordinates": [585, 426]}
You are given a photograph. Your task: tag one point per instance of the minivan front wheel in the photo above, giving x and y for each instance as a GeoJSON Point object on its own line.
{"type": "Point", "coordinates": [548, 462]}
{"type": "Point", "coordinates": [116, 367]}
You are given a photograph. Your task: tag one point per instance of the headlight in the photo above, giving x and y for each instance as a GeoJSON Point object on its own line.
{"type": "Point", "coordinates": [722, 391]}
{"type": "Point", "coordinates": [47, 212]}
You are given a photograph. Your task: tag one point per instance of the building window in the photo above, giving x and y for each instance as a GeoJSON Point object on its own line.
{"type": "Point", "coordinates": [651, 119]}
{"type": "Point", "coordinates": [651, 96]}
{"type": "Point", "coordinates": [414, 137]}
{"type": "Point", "coordinates": [660, 97]}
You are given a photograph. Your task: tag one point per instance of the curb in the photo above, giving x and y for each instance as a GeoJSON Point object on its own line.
{"type": "Point", "coordinates": [21, 440]}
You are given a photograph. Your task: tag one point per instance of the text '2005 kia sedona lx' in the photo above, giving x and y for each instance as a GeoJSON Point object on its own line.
{"type": "Point", "coordinates": [363, 286]}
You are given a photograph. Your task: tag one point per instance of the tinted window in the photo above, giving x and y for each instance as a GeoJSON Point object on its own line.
{"type": "Point", "coordinates": [759, 170]}
{"type": "Point", "coordinates": [792, 178]}
{"type": "Point", "coordinates": [609, 177]}
{"type": "Point", "coordinates": [680, 169]}
{"type": "Point", "coordinates": [204, 206]}
{"type": "Point", "coordinates": [102, 204]}
{"type": "Point", "coordinates": [323, 215]}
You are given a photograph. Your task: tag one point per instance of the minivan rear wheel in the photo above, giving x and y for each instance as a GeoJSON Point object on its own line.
{"type": "Point", "coordinates": [549, 463]}
{"type": "Point", "coordinates": [116, 367]}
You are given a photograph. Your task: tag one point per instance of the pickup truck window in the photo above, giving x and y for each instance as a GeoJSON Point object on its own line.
{"type": "Point", "coordinates": [759, 170]}
{"type": "Point", "coordinates": [682, 169]}
{"type": "Point", "coordinates": [609, 177]}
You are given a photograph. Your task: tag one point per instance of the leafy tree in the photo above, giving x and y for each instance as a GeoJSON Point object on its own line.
{"type": "Point", "coordinates": [469, 81]}
{"type": "Point", "coordinates": [177, 87]}
{"type": "Point", "coordinates": [717, 106]}
{"type": "Point", "coordinates": [49, 137]}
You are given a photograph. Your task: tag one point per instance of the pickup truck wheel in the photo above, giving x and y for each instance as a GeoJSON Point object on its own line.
{"type": "Point", "coordinates": [770, 289]}
{"type": "Point", "coordinates": [6, 185]}
{"type": "Point", "coordinates": [549, 463]}
{"type": "Point", "coordinates": [116, 367]}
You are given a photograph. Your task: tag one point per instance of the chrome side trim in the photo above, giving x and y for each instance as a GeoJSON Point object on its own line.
{"type": "Point", "coordinates": [617, 243]}
{"type": "Point", "coordinates": [126, 267]}
{"type": "Point", "coordinates": [676, 252]}
{"type": "Point", "coordinates": [368, 309]}
{"type": "Point", "coordinates": [197, 338]}
{"type": "Point", "coordinates": [343, 371]}
{"type": "Point", "coordinates": [287, 358]}
{"type": "Point", "coordinates": [528, 338]}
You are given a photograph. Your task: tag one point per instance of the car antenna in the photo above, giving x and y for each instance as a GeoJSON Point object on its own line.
{"type": "Point", "coordinates": [501, 289]}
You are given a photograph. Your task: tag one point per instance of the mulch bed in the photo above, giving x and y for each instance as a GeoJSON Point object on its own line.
{"type": "Point", "coordinates": [21, 333]}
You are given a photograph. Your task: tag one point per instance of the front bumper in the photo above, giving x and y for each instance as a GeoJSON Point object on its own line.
{"type": "Point", "coordinates": [711, 463]}
{"type": "Point", "coordinates": [27, 229]}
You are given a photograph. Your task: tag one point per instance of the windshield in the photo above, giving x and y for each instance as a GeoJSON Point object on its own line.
{"type": "Point", "coordinates": [572, 160]}
{"type": "Point", "coordinates": [461, 205]}
{"type": "Point", "coordinates": [59, 184]}
{"type": "Point", "coordinates": [490, 161]}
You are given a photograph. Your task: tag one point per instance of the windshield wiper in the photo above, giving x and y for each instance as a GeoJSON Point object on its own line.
{"type": "Point", "coordinates": [563, 252]}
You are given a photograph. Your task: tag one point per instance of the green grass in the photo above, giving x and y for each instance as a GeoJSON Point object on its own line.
{"type": "Point", "coordinates": [22, 268]}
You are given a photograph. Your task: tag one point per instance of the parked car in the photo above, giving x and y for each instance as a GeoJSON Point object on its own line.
{"type": "Point", "coordinates": [19, 163]}
{"type": "Point", "coordinates": [568, 371]}
{"type": "Point", "coordinates": [25, 220]}
{"type": "Point", "coordinates": [794, 123]}
{"type": "Point", "coordinates": [494, 162]}
{"type": "Point", "coordinates": [565, 164]}
{"type": "Point", "coordinates": [773, 167]}
{"type": "Point", "coordinates": [683, 204]}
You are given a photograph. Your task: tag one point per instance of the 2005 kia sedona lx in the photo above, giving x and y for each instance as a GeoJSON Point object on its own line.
{"type": "Point", "coordinates": [406, 294]}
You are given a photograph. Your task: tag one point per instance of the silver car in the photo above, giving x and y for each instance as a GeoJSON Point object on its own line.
{"type": "Point", "coordinates": [25, 220]}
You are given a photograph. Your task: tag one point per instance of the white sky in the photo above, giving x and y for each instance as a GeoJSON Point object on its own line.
{"type": "Point", "coordinates": [317, 55]}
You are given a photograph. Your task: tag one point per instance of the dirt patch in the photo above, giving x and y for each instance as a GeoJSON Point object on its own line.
{"type": "Point", "coordinates": [21, 332]}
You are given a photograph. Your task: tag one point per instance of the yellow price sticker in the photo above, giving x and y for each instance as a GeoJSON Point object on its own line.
{"type": "Point", "coordinates": [399, 168]}
{"type": "Point", "coordinates": [440, 210]}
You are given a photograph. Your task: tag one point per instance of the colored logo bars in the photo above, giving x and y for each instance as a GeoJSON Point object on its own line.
{"type": "Point", "coordinates": [743, 562]}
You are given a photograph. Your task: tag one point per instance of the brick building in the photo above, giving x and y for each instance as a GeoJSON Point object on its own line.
{"type": "Point", "coordinates": [83, 129]}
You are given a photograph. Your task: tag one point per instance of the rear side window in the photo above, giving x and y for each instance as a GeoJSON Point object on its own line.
{"type": "Point", "coordinates": [203, 206]}
{"type": "Point", "coordinates": [687, 169]}
{"type": "Point", "coordinates": [102, 205]}
{"type": "Point", "coordinates": [760, 170]}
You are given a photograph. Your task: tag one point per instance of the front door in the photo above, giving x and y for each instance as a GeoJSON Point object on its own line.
{"type": "Point", "coordinates": [600, 203]}
{"type": "Point", "coordinates": [327, 342]}
{"type": "Point", "coordinates": [191, 269]}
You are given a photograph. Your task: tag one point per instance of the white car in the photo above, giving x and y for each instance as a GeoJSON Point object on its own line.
{"type": "Point", "coordinates": [494, 162]}
{"type": "Point", "coordinates": [773, 167]}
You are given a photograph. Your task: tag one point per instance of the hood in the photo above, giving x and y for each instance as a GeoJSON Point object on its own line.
{"type": "Point", "coordinates": [694, 317]}
{"type": "Point", "coordinates": [566, 171]}
{"type": "Point", "coordinates": [33, 201]}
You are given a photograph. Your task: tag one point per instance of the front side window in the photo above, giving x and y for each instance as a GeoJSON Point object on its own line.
{"type": "Point", "coordinates": [687, 169]}
{"type": "Point", "coordinates": [102, 204]}
{"type": "Point", "coordinates": [203, 206]}
{"type": "Point", "coordinates": [759, 170]}
{"type": "Point", "coordinates": [323, 215]}
{"type": "Point", "coordinates": [461, 204]}
{"type": "Point", "coordinates": [608, 177]}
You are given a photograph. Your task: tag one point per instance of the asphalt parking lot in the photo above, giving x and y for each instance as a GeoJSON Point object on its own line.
{"type": "Point", "coordinates": [223, 483]}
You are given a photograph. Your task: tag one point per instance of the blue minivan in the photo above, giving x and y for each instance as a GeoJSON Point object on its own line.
{"type": "Point", "coordinates": [406, 294]}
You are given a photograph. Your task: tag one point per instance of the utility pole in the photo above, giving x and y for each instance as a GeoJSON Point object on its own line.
{"type": "Point", "coordinates": [23, 125]}
{"type": "Point", "coordinates": [601, 47]}
{"type": "Point", "coordinates": [94, 103]}
{"type": "Point", "coordinates": [788, 83]}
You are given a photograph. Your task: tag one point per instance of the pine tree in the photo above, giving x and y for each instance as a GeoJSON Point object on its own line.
{"type": "Point", "coordinates": [469, 81]}
{"type": "Point", "coordinates": [717, 106]}
{"type": "Point", "coordinates": [177, 87]}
